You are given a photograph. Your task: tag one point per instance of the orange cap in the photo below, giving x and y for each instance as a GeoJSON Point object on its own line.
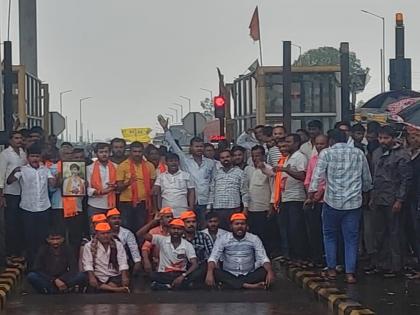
{"type": "Point", "coordinates": [177, 222]}
{"type": "Point", "coordinates": [112, 212]}
{"type": "Point", "coordinates": [102, 227]}
{"type": "Point", "coordinates": [98, 218]}
{"type": "Point", "coordinates": [189, 214]}
{"type": "Point", "coordinates": [237, 216]}
{"type": "Point", "coordinates": [166, 210]}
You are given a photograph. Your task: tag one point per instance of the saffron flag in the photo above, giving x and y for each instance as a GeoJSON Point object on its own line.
{"type": "Point", "coordinates": [254, 26]}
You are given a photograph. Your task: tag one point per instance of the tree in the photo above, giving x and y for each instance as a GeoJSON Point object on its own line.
{"type": "Point", "coordinates": [330, 56]}
{"type": "Point", "coordinates": [208, 108]}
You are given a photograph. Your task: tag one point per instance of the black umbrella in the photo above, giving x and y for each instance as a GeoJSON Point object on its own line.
{"type": "Point", "coordinates": [411, 114]}
{"type": "Point", "coordinates": [381, 101]}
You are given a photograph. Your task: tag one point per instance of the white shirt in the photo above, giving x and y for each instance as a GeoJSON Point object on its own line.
{"type": "Point", "coordinates": [170, 258]}
{"type": "Point", "coordinates": [127, 238]}
{"type": "Point", "coordinates": [220, 233]}
{"type": "Point", "coordinates": [294, 190]}
{"type": "Point", "coordinates": [308, 149]}
{"type": "Point", "coordinates": [34, 185]}
{"type": "Point", "coordinates": [174, 190]}
{"type": "Point", "coordinates": [98, 201]}
{"type": "Point", "coordinates": [259, 189]}
{"type": "Point", "coordinates": [9, 160]}
{"type": "Point", "coordinates": [102, 268]}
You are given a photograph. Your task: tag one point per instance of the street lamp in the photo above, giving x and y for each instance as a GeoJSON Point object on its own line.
{"type": "Point", "coordinates": [300, 51]}
{"type": "Point", "coordinates": [210, 91]}
{"type": "Point", "coordinates": [61, 109]}
{"type": "Point", "coordinates": [189, 102]}
{"type": "Point", "coordinates": [80, 116]}
{"type": "Point", "coordinates": [176, 112]}
{"type": "Point", "coordinates": [383, 48]}
{"type": "Point", "coordinates": [182, 109]}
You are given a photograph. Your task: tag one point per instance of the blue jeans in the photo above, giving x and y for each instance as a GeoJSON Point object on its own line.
{"type": "Point", "coordinates": [43, 283]}
{"type": "Point", "coordinates": [349, 222]}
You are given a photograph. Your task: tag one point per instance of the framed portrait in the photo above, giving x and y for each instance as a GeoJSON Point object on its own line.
{"type": "Point", "coordinates": [74, 179]}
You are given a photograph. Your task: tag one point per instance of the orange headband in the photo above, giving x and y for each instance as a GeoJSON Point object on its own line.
{"type": "Point", "coordinates": [98, 218]}
{"type": "Point", "coordinates": [112, 212]}
{"type": "Point", "coordinates": [238, 216]}
{"type": "Point", "coordinates": [188, 215]}
{"type": "Point", "coordinates": [102, 227]}
{"type": "Point", "coordinates": [177, 222]}
{"type": "Point", "coordinates": [167, 210]}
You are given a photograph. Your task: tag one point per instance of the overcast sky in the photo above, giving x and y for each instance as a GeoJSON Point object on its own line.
{"type": "Point", "coordinates": [135, 58]}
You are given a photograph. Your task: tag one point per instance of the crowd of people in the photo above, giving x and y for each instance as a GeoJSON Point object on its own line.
{"type": "Point", "coordinates": [216, 216]}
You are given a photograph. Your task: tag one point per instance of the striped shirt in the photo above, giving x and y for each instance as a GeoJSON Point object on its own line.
{"type": "Point", "coordinates": [240, 256]}
{"type": "Point", "coordinates": [228, 188]}
{"type": "Point", "coordinates": [273, 156]}
{"type": "Point", "coordinates": [347, 174]}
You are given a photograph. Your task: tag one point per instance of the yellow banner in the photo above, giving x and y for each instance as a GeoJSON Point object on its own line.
{"type": "Point", "coordinates": [136, 134]}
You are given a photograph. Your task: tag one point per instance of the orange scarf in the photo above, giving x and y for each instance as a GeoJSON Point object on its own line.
{"type": "Point", "coordinates": [96, 181]}
{"type": "Point", "coordinates": [278, 182]}
{"type": "Point", "coordinates": [162, 167]}
{"type": "Point", "coordinates": [146, 180]}
{"type": "Point", "coordinates": [69, 203]}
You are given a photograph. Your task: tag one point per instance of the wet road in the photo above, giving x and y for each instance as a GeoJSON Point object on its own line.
{"type": "Point", "coordinates": [286, 298]}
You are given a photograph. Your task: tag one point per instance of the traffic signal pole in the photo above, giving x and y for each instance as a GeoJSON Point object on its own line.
{"type": "Point", "coordinates": [222, 126]}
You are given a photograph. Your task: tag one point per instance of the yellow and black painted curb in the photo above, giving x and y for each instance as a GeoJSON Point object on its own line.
{"type": "Point", "coordinates": [9, 278]}
{"type": "Point", "coordinates": [327, 292]}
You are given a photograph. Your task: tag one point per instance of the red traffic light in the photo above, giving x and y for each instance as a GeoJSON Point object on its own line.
{"type": "Point", "coordinates": [219, 101]}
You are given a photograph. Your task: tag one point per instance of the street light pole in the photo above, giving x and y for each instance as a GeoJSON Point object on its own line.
{"type": "Point", "coordinates": [189, 102]}
{"type": "Point", "coordinates": [182, 109]}
{"type": "Point", "coordinates": [80, 116]}
{"type": "Point", "coordinates": [176, 113]}
{"type": "Point", "coordinates": [383, 47]}
{"type": "Point", "coordinates": [210, 91]}
{"type": "Point", "coordinates": [61, 109]}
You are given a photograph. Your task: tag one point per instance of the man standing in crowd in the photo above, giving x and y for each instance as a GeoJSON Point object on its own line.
{"type": "Point", "coordinates": [250, 138]}
{"type": "Point", "coordinates": [313, 208]}
{"type": "Point", "coordinates": [259, 188]}
{"type": "Point", "coordinates": [102, 182]}
{"type": "Point", "coordinates": [175, 254]}
{"type": "Point", "coordinates": [213, 230]}
{"type": "Point", "coordinates": [126, 237]}
{"type": "Point", "coordinates": [200, 168]}
{"type": "Point", "coordinates": [135, 178]}
{"type": "Point", "coordinates": [392, 176]}
{"type": "Point", "coordinates": [245, 262]}
{"type": "Point", "coordinates": [228, 189]}
{"type": "Point", "coordinates": [209, 151]}
{"type": "Point", "coordinates": [238, 157]}
{"type": "Point", "coordinates": [347, 175]}
{"type": "Point", "coordinates": [150, 252]}
{"type": "Point", "coordinates": [358, 132]}
{"type": "Point", "coordinates": [34, 204]}
{"type": "Point", "coordinates": [118, 150]}
{"type": "Point", "coordinates": [345, 127]}
{"type": "Point", "coordinates": [11, 158]}
{"type": "Point", "coordinates": [308, 148]}
{"type": "Point", "coordinates": [279, 132]}
{"type": "Point", "coordinates": [174, 188]}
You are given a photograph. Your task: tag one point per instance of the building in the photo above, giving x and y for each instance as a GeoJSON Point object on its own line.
{"type": "Point", "coordinates": [258, 97]}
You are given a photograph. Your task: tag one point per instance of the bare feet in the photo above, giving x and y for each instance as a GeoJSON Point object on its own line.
{"type": "Point", "coordinates": [255, 286]}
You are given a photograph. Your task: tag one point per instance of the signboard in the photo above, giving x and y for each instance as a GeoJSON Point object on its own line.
{"type": "Point", "coordinates": [57, 123]}
{"type": "Point", "coordinates": [194, 123]}
{"type": "Point", "coordinates": [136, 134]}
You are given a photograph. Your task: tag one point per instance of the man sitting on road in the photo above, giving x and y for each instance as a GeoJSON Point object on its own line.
{"type": "Point", "coordinates": [126, 237]}
{"type": "Point", "coordinates": [174, 255]}
{"type": "Point", "coordinates": [245, 262]}
{"type": "Point", "coordinates": [150, 251]}
{"type": "Point", "coordinates": [55, 269]}
{"type": "Point", "coordinates": [203, 246]}
{"type": "Point", "coordinates": [105, 261]}
{"type": "Point", "coordinates": [213, 229]}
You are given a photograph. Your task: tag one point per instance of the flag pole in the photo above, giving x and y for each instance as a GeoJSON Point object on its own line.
{"type": "Point", "coordinates": [261, 58]}
{"type": "Point", "coordinates": [260, 42]}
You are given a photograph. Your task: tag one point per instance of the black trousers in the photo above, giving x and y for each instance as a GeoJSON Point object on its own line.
{"type": "Point", "coordinates": [133, 218]}
{"type": "Point", "coordinates": [224, 217]}
{"type": "Point", "coordinates": [13, 226]}
{"type": "Point", "coordinates": [231, 281]}
{"type": "Point", "coordinates": [35, 226]}
{"type": "Point", "coordinates": [314, 230]}
{"type": "Point", "coordinates": [258, 224]}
